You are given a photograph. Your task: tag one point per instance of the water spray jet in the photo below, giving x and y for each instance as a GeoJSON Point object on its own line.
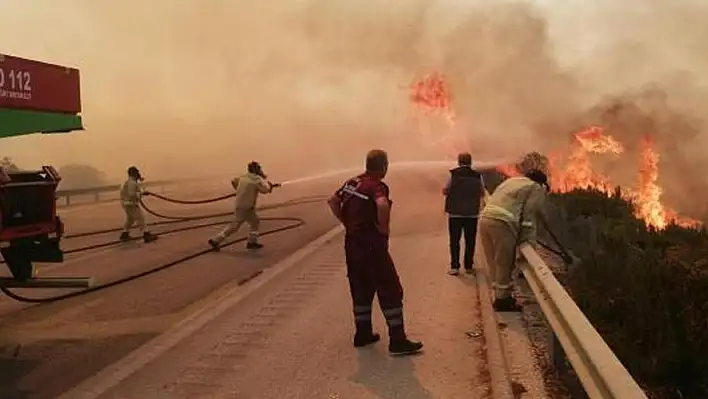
{"type": "Point", "coordinates": [431, 164]}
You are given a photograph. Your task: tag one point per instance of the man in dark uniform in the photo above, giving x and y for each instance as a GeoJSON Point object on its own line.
{"type": "Point", "coordinates": [464, 194]}
{"type": "Point", "coordinates": [363, 206]}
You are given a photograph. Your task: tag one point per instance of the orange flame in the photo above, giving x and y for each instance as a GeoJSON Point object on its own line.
{"type": "Point", "coordinates": [431, 97]}
{"type": "Point", "coordinates": [646, 198]}
{"type": "Point", "coordinates": [578, 172]}
{"type": "Point", "coordinates": [509, 170]}
{"type": "Point", "coordinates": [431, 94]}
{"type": "Point", "coordinates": [648, 203]}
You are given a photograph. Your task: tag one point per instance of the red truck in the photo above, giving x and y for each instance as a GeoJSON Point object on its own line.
{"type": "Point", "coordinates": [35, 97]}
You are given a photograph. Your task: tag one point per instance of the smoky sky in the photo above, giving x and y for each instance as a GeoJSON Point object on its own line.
{"type": "Point", "coordinates": [186, 87]}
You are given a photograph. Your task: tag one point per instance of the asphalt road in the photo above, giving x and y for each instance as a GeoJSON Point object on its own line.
{"type": "Point", "coordinates": [47, 349]}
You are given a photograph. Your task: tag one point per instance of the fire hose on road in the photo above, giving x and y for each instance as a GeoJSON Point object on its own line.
{"type": "Point", "coordinates": [292, 223]}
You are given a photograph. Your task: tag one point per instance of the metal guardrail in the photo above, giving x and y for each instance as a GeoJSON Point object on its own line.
{"type": "Point", "coordinates": [96, 192]}
{"type": "Point", "coordinates": [600, 372]}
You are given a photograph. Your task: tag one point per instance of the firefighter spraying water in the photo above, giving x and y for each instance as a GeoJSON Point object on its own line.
{"type": "Point", "coordinates": [130, 194]}
{"type": "Point", "coordinates": [247, 189]}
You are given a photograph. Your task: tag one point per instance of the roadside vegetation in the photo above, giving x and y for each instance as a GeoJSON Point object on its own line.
{"type": "Point", "coordinates": [645, 290]}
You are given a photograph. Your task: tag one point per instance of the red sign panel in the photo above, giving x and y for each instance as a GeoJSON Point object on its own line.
{"type": "Point", "coordinates": [38, 86]}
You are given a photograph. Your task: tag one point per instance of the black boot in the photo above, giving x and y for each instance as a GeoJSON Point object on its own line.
{"type": "Point", "coordinates": [403, 347]}
{"type": "Point", "coordinates": [214, 245]}
{"type": "Point", "coordinates": [365, 334]}
{"type": "Point", "coordinates": [399, 344]}
{"type": "Point", "coordinates": [366, 338]}
{"type": "Point", "coordinates": [149, 237]}
{"type": "Point", "coordinates": [254, 245]}
{"type": "Point", "coordinates": [124, 236]}
{"type": "Point", "coordinates": [507, 304]}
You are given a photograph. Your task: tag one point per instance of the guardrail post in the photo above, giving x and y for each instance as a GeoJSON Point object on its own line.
{"type": "Point", "coordinates": [96, 196]}
{"type": "Point", "coordinates": [68, 200]}
{"type": "Point", "coordinates": [557, 355]}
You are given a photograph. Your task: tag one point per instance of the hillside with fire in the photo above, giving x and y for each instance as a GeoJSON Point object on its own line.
{"type": "Point", "coordinates": [642, 279]}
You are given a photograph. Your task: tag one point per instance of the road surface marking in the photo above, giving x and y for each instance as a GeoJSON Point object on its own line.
{"type": "Point", "coordinates": [122, 369]}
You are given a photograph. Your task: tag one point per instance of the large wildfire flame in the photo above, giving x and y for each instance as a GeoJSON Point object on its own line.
{"type": "Point", "coordinates": [431, 98]}
{"type": "Point", "coordinates": [578, 171]}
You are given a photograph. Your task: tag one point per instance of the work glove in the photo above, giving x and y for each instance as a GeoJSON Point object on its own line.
{"type": "Point", "coordinates": [146, 193]}
{"type": "Point", "coordinates": [275, 185]}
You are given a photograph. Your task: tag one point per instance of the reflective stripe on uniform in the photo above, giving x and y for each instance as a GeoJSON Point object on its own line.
{"type": "Point", "coordinates": [393, 322]}
{"type": "Point", "coordinates": [362, 313]}
{"type": "Point", "coordinates": [392, 312]}
{"type": "Point", "coordinates": [508, 214]}
{"type": "Point", "coordinates": [352, 190]}
{"type": "Point", "coordinates": [394, 316]}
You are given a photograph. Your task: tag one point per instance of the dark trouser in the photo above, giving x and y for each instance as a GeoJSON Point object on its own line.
{"type": "Point", "coordinates": [456, 227]}
{"type": "Point", "coordinates": [371, 270]}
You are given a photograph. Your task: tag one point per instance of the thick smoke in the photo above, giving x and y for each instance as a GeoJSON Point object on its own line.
{"type": "Point", "coordinates": [181, 88]}
{"type": "Point", "coordinates": [301, 86]}
{"type": "Point", "coordinates": [650, 80]}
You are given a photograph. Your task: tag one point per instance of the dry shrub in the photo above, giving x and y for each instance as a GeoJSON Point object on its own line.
{"type": "Point", "coordinates": [646, 291]}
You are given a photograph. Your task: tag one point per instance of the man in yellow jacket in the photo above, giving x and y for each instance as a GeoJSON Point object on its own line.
{"type": "Point", "coordinates": [247, 187]}
{"type": "Point", "coordinates": [510, 217]}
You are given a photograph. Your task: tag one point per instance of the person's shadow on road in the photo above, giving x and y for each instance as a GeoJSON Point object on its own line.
{"type": "Point", "coordinates": [388, 377]}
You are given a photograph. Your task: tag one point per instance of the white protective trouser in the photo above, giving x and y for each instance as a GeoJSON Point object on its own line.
{"type": "Point", "coordinates": [240, 216]}
{"type": "Point", "coordinates": [498, 241]}
{"type": "Point", "coordinates": [133, 215]}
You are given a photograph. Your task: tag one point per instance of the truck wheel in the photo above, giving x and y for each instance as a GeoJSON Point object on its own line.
{"type": "Point", "coordinates": [20, 265]}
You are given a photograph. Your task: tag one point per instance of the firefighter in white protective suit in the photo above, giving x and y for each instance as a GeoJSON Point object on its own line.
{"type": "Point", "coordinates": [130, 194]}
{"type": "Point", "coordinates": [510, 217]}
{"type": "Point", "coordinates": [248, 187]}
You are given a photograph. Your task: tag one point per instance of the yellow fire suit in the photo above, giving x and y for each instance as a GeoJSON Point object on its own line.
{"type": "Point", "coordinates": [499, 229]}
{"type": "Point", "coordinates": [130, 200]}
{"type": "Point", "coordinates": [247, 187]}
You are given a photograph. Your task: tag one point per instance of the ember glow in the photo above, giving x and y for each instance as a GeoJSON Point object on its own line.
{"type": "Point", "coordinates": [431, 99]}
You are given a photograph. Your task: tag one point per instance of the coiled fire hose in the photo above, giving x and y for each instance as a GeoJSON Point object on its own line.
{"type": "Point", "coordinates": [293, 224]}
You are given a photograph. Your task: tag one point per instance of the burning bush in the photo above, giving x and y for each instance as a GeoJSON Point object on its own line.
{"type": "Point", "coordinates": [644, 277]}
{"type": "Point", "coordinates": [644, 289]}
